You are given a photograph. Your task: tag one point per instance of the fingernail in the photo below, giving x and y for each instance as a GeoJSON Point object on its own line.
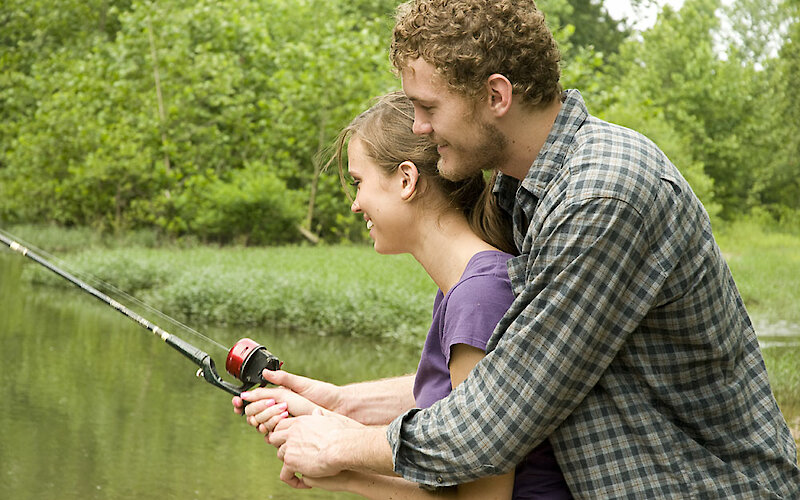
{"type": "Point", "coordinates": [283, 406]}
{"type": "Point", "coordinates": [244, 395]}
{"type": "Point", "coordinates": [284, 414]}
{"type": "Point", "coordinates": [269, 402]}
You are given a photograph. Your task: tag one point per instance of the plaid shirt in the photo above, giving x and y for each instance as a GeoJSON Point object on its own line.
{"type": "Point", "coordinates": [628, 343]}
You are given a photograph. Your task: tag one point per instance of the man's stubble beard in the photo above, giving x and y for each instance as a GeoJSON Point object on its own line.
{"type": "Point", "coordinates": [489, 154]}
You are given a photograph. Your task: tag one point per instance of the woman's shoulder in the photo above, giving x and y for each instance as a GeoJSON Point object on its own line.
{"type": "Point", "coordinates": [484, 281]}
{"type": "Point", "coordinates": [487, 263]}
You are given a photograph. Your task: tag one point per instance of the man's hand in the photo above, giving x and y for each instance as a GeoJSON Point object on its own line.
{"type": "Point", "coordinates": [315, 445]}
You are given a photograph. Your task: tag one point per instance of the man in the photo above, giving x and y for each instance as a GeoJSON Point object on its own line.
{"type": "Point", "coordinates": [628, 344]}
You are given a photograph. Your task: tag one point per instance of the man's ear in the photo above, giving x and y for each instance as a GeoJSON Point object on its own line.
{"type": "Point", "coordinates": [500, 93]}
{"type": "Point", "coordinates": [409, 179]}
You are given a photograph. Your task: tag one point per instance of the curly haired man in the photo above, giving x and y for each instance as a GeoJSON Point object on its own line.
{"type": "Point", "coordinates": [627, 346]}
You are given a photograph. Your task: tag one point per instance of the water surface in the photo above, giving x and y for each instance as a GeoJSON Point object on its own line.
{"type": "Point", "coordinates": [95, 406]}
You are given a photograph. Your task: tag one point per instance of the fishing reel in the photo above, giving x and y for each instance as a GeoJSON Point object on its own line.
{"type": "Point", "coordinates": [246, 360]}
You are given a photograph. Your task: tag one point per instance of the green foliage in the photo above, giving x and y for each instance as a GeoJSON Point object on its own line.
{"type": "Point", "coordinates": [252, 206]}
{"type": "Point", "coordinates": [188, 94]}
{"type": "Point", "coordinates": [210, 119]}
{"type": "Point", "coordinates": [594, 27]}
{"type": "Point", "coordinates": [714, 101]}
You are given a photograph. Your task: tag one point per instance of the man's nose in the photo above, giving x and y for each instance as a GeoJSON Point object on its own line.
{"type": "Point", "coordinates": [421, 126]}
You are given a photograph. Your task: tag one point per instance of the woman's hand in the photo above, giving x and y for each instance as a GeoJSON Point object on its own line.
{"type": "Point", "coordinates": [319, 393]}
{"type": "Point", "coordinates": [268, 406]}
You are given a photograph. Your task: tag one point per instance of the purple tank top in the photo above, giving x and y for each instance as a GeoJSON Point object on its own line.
{"type": "Point", "coordinates": [468, 314]}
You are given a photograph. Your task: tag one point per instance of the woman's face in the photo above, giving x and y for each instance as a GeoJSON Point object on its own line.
{"type": "Point", "coordinates": [378, 198]}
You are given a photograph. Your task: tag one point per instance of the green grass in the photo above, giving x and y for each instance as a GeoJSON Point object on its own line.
{"type": "Point", "coordinates": [343, 289]}
{"type": "Point", "coordinates": [327, 290]}
{"type": "Point", "coordinates": [766, 268]}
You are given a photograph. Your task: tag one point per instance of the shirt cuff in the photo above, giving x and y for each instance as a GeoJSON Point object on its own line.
{"type": "Point", "coordinates": [429, 481]}
{"type": "Point", "coordinates": [425, 467]}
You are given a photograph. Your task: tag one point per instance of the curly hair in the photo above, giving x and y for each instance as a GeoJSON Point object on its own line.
{"type": "Point", "coordinates": [469, 40]}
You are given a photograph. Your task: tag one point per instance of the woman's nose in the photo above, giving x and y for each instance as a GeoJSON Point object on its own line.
{"type": "Point", "coordinates": [354, 207]}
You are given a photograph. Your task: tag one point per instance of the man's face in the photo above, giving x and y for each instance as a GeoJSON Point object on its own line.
{"type": "Point", "coordinates": [467, 142]}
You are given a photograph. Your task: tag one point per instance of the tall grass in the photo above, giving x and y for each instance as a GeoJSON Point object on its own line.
{"type": "Point", "coordinates": [766, 267]}
{"type": "Point", "coordinates": [343, 289]}
{"type": "Point", "coordinates": [337, 290]}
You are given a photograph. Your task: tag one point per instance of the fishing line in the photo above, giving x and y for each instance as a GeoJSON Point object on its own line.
{"type": "Point", "coordinates": [246, 360]}
{"type": "Point", "coordinates": [109, 287]}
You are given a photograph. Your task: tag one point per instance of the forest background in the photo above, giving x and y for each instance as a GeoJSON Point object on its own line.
{"type": "Point", "coordinates": [210, 119]}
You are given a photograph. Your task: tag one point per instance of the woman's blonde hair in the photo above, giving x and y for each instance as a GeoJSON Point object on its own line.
{"type": "Point", "coordinates": [385, 130]}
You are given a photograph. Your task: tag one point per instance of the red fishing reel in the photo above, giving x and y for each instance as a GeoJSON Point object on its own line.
{"type": "Point", "coordinates": [247, 359]}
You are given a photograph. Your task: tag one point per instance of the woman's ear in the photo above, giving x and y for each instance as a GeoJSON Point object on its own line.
{"type": "Point", "coordinates": [409, 179]}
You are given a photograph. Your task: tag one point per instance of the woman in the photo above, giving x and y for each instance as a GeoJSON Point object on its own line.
{"type": "Point", "coordinates": [461, 239]}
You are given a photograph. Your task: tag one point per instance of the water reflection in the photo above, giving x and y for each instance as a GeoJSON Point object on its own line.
{"type": "Point", "coordinates": [94, 406]}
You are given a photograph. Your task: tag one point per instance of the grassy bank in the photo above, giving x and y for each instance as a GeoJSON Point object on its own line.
{"type": "Point", "coordinates": [328, 290]}
{"type": "Point", "coordinates": [345, 289]}
{"type": "Point", "coordinates": [766, 268]}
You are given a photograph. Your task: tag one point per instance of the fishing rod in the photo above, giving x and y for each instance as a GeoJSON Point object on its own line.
{"type": "Point", "coordinates": [246, 359]}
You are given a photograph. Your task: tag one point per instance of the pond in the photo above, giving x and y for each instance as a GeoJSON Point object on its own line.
{"type": "Point", "coordinates": [96, 407]}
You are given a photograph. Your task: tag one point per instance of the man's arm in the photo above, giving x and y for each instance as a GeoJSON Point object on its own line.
{"type": "Point", "coordinates": [587, 287]}
{"type": "Point", "coordinates": [378, 402]}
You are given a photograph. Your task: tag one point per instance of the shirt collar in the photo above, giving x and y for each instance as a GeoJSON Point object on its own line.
{"type": "Point", "coordinates": [551, 157]}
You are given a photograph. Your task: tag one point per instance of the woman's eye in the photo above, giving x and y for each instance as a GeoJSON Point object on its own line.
{"type": "Point", "coordinates": [355, 183]}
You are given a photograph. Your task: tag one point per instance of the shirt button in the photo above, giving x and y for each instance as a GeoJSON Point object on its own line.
{"type": "Point", "coordinates": [439, 479]}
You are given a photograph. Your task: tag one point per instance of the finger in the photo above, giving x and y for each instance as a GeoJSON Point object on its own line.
{"type": "Point", "coordinates": [258, 407]}
{"type": "Point", "coordinates": [289, 380]}
{"type": "Point", "coordinates": [267, 419]}
{"type": "Point", "coordinates": [268, 414]}
{"type": "Point", "coordinates": [237, 405]}
{"type": "Point", "coordinates": [288, 476]}
{"type": "Point", "coordinates": [270, 424]}
{"type": "Point", "coordinates": [278, 438]}
{"type": "Point", "coordinates": [258, 393]}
